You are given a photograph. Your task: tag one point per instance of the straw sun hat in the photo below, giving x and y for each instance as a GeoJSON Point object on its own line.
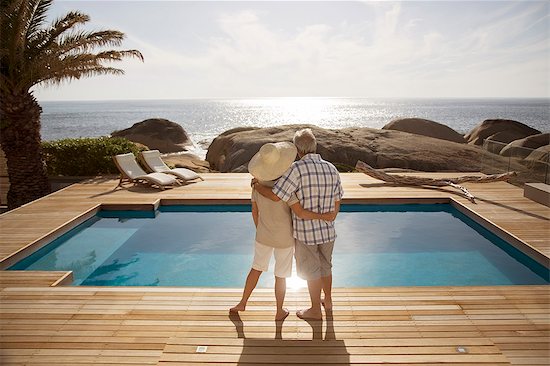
{"type": "Point", "coordinates": [272, 160]}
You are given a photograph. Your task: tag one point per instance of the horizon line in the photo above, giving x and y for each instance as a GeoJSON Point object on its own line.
{"type": "Point", "coordinates": [312, 97]}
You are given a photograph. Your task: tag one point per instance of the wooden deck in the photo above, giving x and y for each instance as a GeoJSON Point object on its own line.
{"type": "Point", "coordinates": [41, 324]}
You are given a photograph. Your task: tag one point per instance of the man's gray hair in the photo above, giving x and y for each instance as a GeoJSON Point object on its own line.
{"type": "Point", "coordinates": [305, 141]}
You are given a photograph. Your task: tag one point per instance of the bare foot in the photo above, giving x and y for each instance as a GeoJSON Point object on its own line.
{"type": "Point", "coordinates": [327, 304]}
{"type": "Point", "coordinates": [281, 314]}
{"type": "Point", "coordinates": [237, 308]}
{"type": "Point", "coordinates": [310, 314]}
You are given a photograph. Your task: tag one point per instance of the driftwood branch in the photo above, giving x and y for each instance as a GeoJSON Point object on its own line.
{"type": "Point", "coordinates": [438, 182]}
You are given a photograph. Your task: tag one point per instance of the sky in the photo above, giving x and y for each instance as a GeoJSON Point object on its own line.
{"type": "Point", "coordinates": [253, 49]}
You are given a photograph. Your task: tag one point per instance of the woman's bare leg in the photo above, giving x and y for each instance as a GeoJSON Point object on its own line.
{"type": "Point", "coordinates": [250, 285]}
{"type": "Point", "coordinates": [280, 292]}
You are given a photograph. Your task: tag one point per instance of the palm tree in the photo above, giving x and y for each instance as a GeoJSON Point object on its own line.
{"type": "Point", "coordinates": [33, 52]}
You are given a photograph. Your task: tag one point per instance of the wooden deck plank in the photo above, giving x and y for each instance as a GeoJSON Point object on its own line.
{"type": "Point", "coordinates": [34, 278]}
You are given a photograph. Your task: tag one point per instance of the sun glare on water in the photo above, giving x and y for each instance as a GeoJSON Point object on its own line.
{"type": "Point", "coordinates": [303, 109]}
{"type": "Point", "coordinates": [296, 109]}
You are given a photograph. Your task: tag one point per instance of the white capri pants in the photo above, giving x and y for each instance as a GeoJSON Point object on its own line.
{"type": "Point", "coordinates": [283, 259]}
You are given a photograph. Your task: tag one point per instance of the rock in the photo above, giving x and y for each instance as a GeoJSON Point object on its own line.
{"type": "Point", "coordinates": [538, 165]}
{"type": "Point", "coordinates": [495, 143]}
{"type": "Point", "coordinates": [187, 160]}
{"type": "Point", "coordinates": [524, 147]}
{"type": "Point", "coordinates": [425, 127]}
{"type": "Point", "coordinates": [542, 154]}
{"type": "Point", "coordinates": [157, 133]}
{"type": "Point", "coordinates": [232, 150]}
{"type": "Point", "coordinates": [504, 137]}
{"type": "Point", "coordinates": [490, 127]}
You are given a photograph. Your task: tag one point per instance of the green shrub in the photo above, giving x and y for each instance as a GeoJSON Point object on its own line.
{"type": "Point", "coordinates": [85, 156]}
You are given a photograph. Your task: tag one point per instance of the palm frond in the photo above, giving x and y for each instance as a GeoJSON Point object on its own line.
{"type": "Point", "coordinates": [119, 55]}
{"type": "Point", "coordinates": [86, 41]}
{"type": "Point", "coordinates": [75, 66]}
{"type": "Point", "coordinates": [12, 18]}
{"type": "Point", "coordinates": [60, 26]}
{"type": "Point", "coordinates": [38, 19]}
{"type": "Point", "coordinates": [22, 18]}
{"type": "Point", "coordinates": [80, 72]}
{"type": "Point", "coordinates": [31, 53]}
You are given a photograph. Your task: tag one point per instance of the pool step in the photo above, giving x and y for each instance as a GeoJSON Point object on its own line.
{"type": "Point", "coordinates": [538, 192]}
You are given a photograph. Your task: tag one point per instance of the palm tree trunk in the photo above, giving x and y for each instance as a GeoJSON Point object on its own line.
{"type": "Point", "coordinates": [20, 140]}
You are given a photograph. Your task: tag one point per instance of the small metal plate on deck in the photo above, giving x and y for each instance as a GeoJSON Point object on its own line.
{"type": "Point", "coordinates": [461, 349]}
{"type": "Point", "coordinates": [201, 349]}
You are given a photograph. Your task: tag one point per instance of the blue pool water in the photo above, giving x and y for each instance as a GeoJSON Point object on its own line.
{"type": "Point", "coordinates": [212, 246]}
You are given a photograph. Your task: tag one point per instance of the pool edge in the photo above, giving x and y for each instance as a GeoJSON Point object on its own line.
{"type": "Point", "coordinates": [523, 247]}
{"type": "Point", "coordinates": [508, 237]}
{"type": "Point", "coordinates": [33, 246]}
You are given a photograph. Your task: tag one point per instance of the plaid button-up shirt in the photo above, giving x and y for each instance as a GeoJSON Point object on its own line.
{"type": "Point", "coordinates": [317, 185]}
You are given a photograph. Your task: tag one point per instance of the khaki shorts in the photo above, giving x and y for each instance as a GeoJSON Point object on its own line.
{"type": "Point", "coordinates": [283, 259]}
{"type": "Point", "coordinates": [313, 261]}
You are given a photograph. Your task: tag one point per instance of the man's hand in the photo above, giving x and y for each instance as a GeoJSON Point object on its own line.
{"type": "Point", "coordinates": [310, 215]}
{"type": "Point", "coordinates": [329, 216]}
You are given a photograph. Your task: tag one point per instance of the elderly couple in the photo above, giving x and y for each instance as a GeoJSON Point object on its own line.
{"type": "Point", "coordinates": [311, 189]}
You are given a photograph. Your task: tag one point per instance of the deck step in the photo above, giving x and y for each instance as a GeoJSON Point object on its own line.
{"type": "Point", "coordinates": [538, 192]}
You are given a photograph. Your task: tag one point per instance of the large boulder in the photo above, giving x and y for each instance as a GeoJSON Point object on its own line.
{"type": "Point", "coordinates": [157, 134]}
{"type": "Point", "coordinates": [425, 127]}
{"type": "Point", "coordinates": [495, 143]}
{"type": "Point", "coordinates": [504, 137]}
{"type": "Point", "coordinates": [232, 150]}
{"type": "Point", "coordinates": [542, 154]}
{"type": "Point", "coordinates": [523, 147]}
{"type": "Point", "coordinates": [516, 130]}
{"type": "Point", "coordinates": [538, 164]}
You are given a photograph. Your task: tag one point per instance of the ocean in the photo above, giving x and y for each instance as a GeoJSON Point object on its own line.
{"type": "Point", "coordinates": [204, 119]}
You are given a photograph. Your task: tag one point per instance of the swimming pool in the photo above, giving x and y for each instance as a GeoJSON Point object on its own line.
{"type": "Point", "coordinates": [212, 246]}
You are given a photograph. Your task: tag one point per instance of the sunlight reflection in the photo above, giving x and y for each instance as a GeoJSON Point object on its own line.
{"type": "Point", "coordinates": [296, 109]}
{"type": "Point", "coordinates": [305, 108]}
{"type": "Point", "coordinates": [295, 282]}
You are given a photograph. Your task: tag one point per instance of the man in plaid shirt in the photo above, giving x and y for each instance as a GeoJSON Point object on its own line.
{"type": "Point", "coordinates": [317, 185]}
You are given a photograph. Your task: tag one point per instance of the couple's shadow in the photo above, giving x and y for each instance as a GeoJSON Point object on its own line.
{"type": "Point", "coordinates": [261, 351]}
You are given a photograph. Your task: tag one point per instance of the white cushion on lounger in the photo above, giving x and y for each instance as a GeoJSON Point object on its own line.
{"type": "Point", "coordinates": [129, 167]}
{"type": "Point", "coordinates": [183, 173]}
{"type": "Point", "coordinates": [153, 160]}
{"type": "Point", "coordinates": [160, 179]}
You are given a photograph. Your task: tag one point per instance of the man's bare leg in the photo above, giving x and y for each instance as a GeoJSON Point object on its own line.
{"type": "Point", "coordinates": [250, 285]}
{"type": "Point", "coordinates": [314, 312]}
{"type": "Point", "coordinates": [280, 292]}
{"type": "Point", "coordinates": [327, 290]}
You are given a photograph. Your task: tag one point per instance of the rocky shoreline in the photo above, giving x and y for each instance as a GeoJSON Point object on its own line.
{"type": "Point", "coordinates": [408, 143]}
{"type": "Point", "coordinates": [493, 146]}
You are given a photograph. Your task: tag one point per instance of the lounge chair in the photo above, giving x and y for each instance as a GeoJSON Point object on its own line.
{"type": "Point", "coordinates": [151, 160]}
{"type": "Point", "coordinates": [132, 172]}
